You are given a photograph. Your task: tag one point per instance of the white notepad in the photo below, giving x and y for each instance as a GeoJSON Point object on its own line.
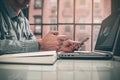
{"type": "Point", "coordinates": [43, 57]}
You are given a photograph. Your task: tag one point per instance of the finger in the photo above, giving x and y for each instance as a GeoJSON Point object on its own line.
{"type": "Point", "coordinates": [58, 43]}
{"type": "Point", "coordinates": [66, 49]}
{"type": "Point", "coordinates": [75, 45]}
{"type": "Point", "coordinates": [68, 43]}
{"type": "Point", "coordinates": [62, 37]}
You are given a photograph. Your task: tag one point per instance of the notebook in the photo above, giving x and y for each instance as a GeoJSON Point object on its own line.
{"type": "Point", "coordinates": [105, 42]}
{"type": "Point", "coordinates": [43, 57]}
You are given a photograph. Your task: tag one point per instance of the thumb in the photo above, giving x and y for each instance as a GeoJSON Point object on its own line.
{"type": "Point", "coordinates": [62, 37]}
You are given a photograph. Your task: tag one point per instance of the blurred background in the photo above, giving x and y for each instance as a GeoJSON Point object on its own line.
{"type": "Point", "coordinates": [77, 19]}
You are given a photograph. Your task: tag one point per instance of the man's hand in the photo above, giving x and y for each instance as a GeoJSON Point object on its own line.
{"type": "Point", "coordinates": [69, 46]}
{"type": "Point", "coordinates": [51, 41]}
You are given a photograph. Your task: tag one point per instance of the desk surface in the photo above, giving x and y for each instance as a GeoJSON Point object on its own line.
{"type": "Point", "coordinates": [63, 70]}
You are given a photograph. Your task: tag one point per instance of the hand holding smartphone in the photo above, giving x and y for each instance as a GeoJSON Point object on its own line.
{"type": "Point", "coordinates": [81, 43]}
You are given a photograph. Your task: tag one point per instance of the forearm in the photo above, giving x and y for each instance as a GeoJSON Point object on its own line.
{"type": "Point", "coordinates": [15, 46]}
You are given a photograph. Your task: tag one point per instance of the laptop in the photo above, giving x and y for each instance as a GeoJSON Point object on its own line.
{"type": "Point", "coordinates": [117, 47]}
{"type": "Point", "coordinates": [104, 48]}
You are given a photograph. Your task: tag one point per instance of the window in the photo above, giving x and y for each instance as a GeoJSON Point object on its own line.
{"type": "Point", "coordinates": [82, 3]}
{"type": "Point", "coordinates": [37, 19]}
{"type": "Point", "coordinates": [53, 28]}
{"type": "Point", "coordinates": [82, 27]}
{"type": "Point", "coordinates": [38, 4]}
{"type": "Point", "coordinates": [67, 29]}
{"type": "Point", "coordinates": [75, 18]}
{"type": "Point", "coordinates": [37, 28]}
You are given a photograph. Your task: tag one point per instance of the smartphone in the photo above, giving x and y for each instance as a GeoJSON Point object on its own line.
{"type": "Point", "coordinates": [83, 41]}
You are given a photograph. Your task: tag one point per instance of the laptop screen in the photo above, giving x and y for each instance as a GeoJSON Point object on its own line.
{"type": "Point", "coordinates": [108, 32]}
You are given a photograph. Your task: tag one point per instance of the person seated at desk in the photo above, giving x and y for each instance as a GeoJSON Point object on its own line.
{"type": "Point", "coordinates": [16, 36]}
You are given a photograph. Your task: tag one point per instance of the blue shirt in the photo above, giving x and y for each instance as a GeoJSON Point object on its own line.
{"type": "Point", "coordinates": [15, 33]}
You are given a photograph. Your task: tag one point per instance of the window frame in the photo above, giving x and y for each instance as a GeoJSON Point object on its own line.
{"type": "Point", "coordinates": [74, 24]}
{"type": "Point", "coordinates": [40, 4]}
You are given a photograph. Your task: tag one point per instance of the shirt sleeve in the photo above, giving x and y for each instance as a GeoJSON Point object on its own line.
{"type": "Point", "coordinates": [15, 46]}
{"type": "Point", "coordinates": [10, 46]}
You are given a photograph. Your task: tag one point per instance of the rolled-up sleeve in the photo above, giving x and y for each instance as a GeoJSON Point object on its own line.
{"type": "Point", "coordinates": [15, 46]}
